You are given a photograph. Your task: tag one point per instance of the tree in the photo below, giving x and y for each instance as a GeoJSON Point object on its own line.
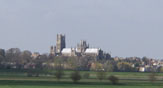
{"type": "Point", "coordinates": [124, 66]}
{"type": "Point", "coordinates": [13, 58]}
{"type": "Point", "coordinates": [59, 69]}
{"type": "Point", "coordinates": [72, 62]}
{"type": "Point", "coordinates": [160, 69]}
{"type": "Point", "coordinates": [86, 75]}
{"type": "Point", "coordinates": [30, 70]}
{"type": "Point", "coordinates": [109, 66]}
{"type": "Point", "coordinates": [145, 60]}
{"type": "Point", "coordinates": [59, 74]}
{"type": "Point", "coordinates": [25, 57]}
{"type": "Point", "coordinates": [114, 80]}
{"type": "Point", "coordinates": [101, 75]}
{"type": "Point", "coordinates": [97, 66]}
{"type": "Point", "coordinates": [38, 62]}
{"type": "Point", "coordinates": [83, 63]}
{"type": "Point", "coordinates": [75, 76]}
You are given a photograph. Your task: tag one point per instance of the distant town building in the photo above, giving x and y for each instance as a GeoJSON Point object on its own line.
{"type": "Point", "coordinates": [35, 55]}
{"type": "Point", "coordinates": [142, 69]}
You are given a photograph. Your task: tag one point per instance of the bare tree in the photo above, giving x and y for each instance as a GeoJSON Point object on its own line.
{"type": "Point", "coordinates": [13, 57]}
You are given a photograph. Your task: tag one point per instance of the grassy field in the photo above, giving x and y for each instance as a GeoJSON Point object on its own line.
{"type": "Point", "coordinates": [10, 79]}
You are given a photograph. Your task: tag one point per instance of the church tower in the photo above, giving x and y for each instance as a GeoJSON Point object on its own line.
{"type": "Point", "coordinates": [82, 46]}
{"type": "Point", "coordinates": [53, 50]}
{"type": "Point", "coordinates": [61, 43]}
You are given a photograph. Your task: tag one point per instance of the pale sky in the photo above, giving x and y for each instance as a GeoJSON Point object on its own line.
{"type": "Point", "coordinates": [123, 28]}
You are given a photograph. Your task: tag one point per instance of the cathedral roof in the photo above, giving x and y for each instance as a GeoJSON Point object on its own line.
{"type": "Point", "coordinates": [92, 50]}
{"type": "Point", "coordinates": [67, 50]}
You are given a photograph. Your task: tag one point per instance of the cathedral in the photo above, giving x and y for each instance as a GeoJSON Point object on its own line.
{"type": "Point", "coordinates": [82, 49]}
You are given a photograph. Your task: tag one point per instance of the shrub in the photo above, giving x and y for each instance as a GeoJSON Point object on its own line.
{"type": "Point", "coordinates": [59, 74]}
{"type": "Point", "coordinates": [101, 75]}
{"type": "Point", "coordinates": [114, 80]}
{"type": "Point", "coordinates": [75, 76]}
{"type": "Point", "coordinates": [86, 75]}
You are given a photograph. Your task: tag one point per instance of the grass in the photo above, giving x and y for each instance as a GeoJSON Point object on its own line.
{"type": "Point", "coordinates": [18, 79]}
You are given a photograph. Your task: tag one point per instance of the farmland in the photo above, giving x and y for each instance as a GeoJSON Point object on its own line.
{"type": "Point", "coordinates": [18, 79]}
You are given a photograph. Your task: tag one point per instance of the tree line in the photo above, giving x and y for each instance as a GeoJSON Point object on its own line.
{"type": "Point", "coordinates": [14, 58]}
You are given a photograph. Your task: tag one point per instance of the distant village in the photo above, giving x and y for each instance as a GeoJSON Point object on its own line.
{"type": "Point", "coordinates": [82, 57]}
{"type": "Point", "coordinates": [144, 64]}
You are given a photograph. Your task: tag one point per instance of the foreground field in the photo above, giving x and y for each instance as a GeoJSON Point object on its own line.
{"type": "Point", "coordinates": [127, 80]}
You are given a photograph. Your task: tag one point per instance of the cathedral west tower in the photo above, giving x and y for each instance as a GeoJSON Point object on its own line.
{"type": "Point", "coordinates": [61, 43]}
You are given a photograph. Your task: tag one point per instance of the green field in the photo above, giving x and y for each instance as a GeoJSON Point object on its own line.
{"type": "Point", "coordinates": [127, 80]}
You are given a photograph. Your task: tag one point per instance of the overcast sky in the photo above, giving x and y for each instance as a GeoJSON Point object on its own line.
{"type": "Point", "coordinates": [123, 28]}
